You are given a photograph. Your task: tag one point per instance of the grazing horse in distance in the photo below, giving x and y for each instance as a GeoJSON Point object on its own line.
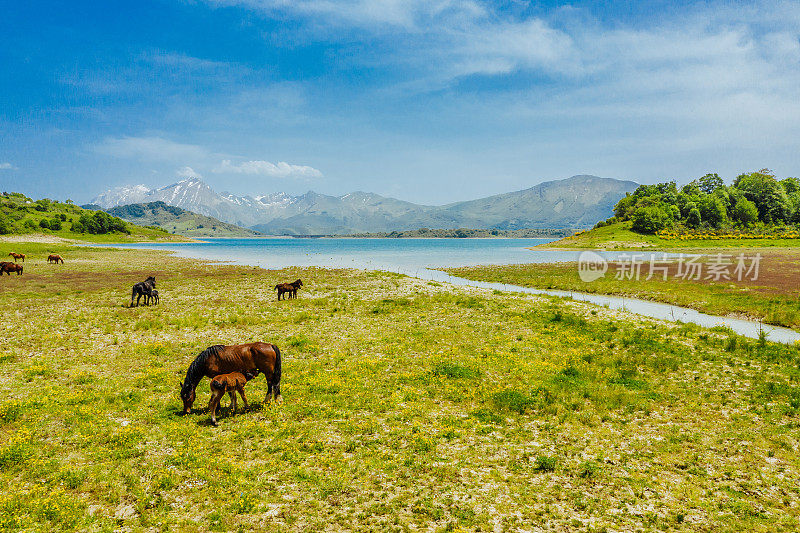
{"type": "Point", "coordinates": [17, 256]}
{"type": "Point", "coordinates": [55, 258]}
{"type": "Point", "coordinates": [231, 383]}
{"type": "Point", "coordinates": [215, 360]}
{"type": "Point", "coordinates": [143, 288]}
{"type": "Point", "coordinates": [8, 267]}
{"type": "Point", "coordinates": [291, 288]}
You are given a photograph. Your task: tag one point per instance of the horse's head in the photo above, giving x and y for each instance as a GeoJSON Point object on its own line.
{"type": "Point", "coordinates": [187, 395]}
{"type": "Point", "coordinates": [299, 283]}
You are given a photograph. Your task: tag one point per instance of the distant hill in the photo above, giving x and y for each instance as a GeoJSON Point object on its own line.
{"type": "Point", "coordinates": [177, 220]}
{"type": "Point", "coordinates": [576, 202]}
{"type": "Point", "coordinates": [22, 215]}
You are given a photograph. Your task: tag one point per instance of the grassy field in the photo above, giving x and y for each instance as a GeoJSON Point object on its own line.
{"type": "Point", "coordinates": [774, 297]}
{"type": "Point", "coordinates": [619, 236]}
{"type": "Point", "coordinates": [408, 405]}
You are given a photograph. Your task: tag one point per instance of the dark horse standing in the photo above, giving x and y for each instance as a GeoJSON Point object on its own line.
{"type": "Point", "coordinates": [143, 288]}
{"type": "Point", "coordinates": [215, 360]}
{"type": "Point", "coordinates": [291, 288]}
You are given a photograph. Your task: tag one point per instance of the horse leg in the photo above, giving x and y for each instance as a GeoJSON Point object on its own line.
{"type": "Point", "coordinates": [268, 398]}
{"type": "Point", "coordinates": [276, 393]}
{"type": "Point", "coordinates": [244, 398]}
{"type": "Point", "coordinates": [213, 403]}
{"type": "Point", "coordinates": [232, 395]}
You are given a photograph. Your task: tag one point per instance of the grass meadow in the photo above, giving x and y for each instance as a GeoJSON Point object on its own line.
{"type": "Point", "coordinates": [408, 405]}
{"type": "Point", "coordinates": [773, 297]}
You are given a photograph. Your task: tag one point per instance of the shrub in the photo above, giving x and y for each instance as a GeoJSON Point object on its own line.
{"type": "Point", "coordinates": [513, 401]}
{"type": "Point", "coordinates": [545, 463]}
{"type": "Point", "coordinates": [650, 219]}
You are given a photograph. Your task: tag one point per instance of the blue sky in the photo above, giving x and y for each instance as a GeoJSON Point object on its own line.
{"type": "Point", "coordinates": [429, 101]}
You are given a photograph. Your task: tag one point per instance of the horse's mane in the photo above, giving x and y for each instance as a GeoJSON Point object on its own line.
{"type": "Point", "coordinates": [197, 369]}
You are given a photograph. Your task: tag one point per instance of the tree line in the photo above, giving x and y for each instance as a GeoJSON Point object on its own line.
{"type": "Point", "coordinates": [754, 200]}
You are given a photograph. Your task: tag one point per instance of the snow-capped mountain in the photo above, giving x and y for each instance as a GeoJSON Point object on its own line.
{"type": "Point", "coordinates": [575, 202]}
{"type": "Point", "coordinates": [122, 196]}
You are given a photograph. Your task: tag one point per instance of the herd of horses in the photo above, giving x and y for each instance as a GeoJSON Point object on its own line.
{"type": "Point", "coordinates": [228, 367]}
{"type": "Point", "coordinates": [8, 267]}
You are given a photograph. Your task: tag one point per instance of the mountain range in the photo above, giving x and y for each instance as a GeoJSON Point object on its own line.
{"type": "Point", "coordinates": [576, 202]}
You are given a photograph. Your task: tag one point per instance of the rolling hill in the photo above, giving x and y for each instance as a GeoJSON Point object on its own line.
{"type": "Point", "coordinates": [177, 220]}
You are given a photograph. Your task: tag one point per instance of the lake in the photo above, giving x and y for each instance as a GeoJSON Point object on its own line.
{"type": "Point", "coordinates": [397, 255]}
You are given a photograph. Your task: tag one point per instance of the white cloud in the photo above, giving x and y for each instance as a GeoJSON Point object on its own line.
{"type": "Point", "coordinates": [150, 149]}
{"type": "Point", "coordinates": [265, 168]}
{"type": "Point", "coordinates": [405, 14]}
{"type": "Point", "coordinates": [7, 166]}
{"type": "Point", "coordinates": [188, 172]}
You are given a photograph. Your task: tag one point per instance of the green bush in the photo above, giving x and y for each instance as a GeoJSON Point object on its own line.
{"type": "Point", "coordinates": [650, 219]}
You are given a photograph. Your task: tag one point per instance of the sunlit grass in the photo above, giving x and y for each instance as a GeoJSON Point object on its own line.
{"type": "Point", "coordinates": [408, 405]}
{"type": "Point", "coordinates": [775, 299]}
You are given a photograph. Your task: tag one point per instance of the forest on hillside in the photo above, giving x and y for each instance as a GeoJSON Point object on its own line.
{"type": "Point", "coordinates": [20, 214]}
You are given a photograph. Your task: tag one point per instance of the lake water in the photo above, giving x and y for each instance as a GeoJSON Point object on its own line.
{"type": "Point", "coordinates": [420, 258]}
{"type": "Point", "coordinates": [403, 255]}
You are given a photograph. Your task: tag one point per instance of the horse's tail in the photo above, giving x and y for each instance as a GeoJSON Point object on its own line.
{"type": "Point", "coordinates": [217, 385]}
{"type": "Point", "coordinates": [276, 372]}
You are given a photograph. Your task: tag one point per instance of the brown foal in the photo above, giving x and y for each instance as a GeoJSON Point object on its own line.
{"type": "Point", "coordinates": [231, 383]}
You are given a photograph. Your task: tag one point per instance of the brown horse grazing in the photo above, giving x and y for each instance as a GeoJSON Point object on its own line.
{"type": "Point", "coordinates": [218, 359]}
{"type": "Point", "coordinates": [55, 258]}
{"type": "Point", "coordinates": [17, 256]}
{"type": "Point", "coordinates": [8, 267]}
{"type": "Point", "coordinates": [291, 288]}
{"type": "Point", "coordinates": [230, 383]}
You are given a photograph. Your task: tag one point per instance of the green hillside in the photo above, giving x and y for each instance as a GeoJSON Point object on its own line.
{"type": "Point", "coordinates": [180, 221]}
{"type": "Point", "coordinates": [22, 215]}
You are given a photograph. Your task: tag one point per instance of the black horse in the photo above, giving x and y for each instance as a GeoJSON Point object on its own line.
{"type": "Point", "coordinates": [143, 288]}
